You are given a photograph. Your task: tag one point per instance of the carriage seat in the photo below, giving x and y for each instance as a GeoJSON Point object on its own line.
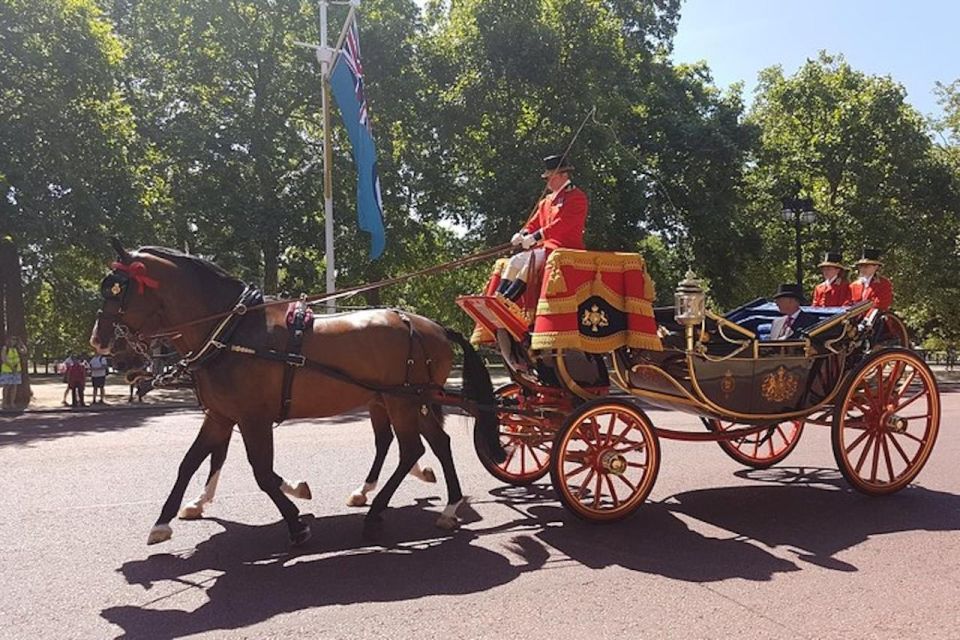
{"type": "Point", "coordinates": [758, 316]}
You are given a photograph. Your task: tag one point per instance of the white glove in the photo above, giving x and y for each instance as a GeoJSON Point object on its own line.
{"type": "Point", "coordinates": [528, 240]}
{"type": "Point", "coordinates": [516, 239]}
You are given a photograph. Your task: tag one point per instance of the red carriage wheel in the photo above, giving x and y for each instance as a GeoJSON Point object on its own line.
{"type": "Point", "coordinates": [605, 460]}
{"type": "Point", "coordinates": [886, 422]}
{"type": "Point", "coordinates": [759, 450]}
{"type": "Point", "coordinates": [526, 439]}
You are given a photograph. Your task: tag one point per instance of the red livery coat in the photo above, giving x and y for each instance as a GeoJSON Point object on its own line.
{"type": "Point", "coordinates": [880, 291]}
{"type": "Point", "coordinates": [834, 294]}
{"type": "Point", "coordinates": [561, 218]}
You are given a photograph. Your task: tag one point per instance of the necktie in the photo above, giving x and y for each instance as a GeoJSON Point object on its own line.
{"type": "Point", "coordinates": [786, 326]}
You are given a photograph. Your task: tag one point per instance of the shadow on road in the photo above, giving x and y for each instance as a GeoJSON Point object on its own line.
{"type": "Point", "coordinates": [260, 579]}
{"type": "Point", "coordinates": [27, 429]}
{"type": "Point", "coordinates": [802, 516]}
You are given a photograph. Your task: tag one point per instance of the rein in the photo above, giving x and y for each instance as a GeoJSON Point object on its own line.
{"type": "Point", "coordinates": [242, 308]}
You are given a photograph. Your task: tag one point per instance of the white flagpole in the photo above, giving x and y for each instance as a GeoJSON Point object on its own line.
{"type": "Point", "coordinates": [327, 160]}
{"type": "Point", "coordinates": [326, 57]}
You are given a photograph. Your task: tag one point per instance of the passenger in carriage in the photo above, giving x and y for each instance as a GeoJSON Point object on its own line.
{"type": "Point", "coordinates": [870, 285]}
{"type": "Point", "coordinates": [789, 298]}
{"type": "Point", "coordinates": [834, 291]}
{"type": "Point", "coordinates": [558, 221]}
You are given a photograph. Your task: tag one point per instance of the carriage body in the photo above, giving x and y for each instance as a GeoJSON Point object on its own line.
{"type": "Point", "coordinates": [594, 351]}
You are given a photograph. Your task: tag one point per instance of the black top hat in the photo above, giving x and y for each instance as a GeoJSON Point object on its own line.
{"type": "Point", "coordinates": [832, 259]}
{"type": "Point", "coordinates": [790, 290]}
{"type": "Point", "coordinates": [870, 256]}
{"type": "Point", "coordinates": [553, 164]}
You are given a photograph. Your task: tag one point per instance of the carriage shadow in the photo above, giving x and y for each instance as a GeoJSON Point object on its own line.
{"type": "Point", "coordinates": [808, 516]}
{"type": "Point", "coordinates": [410, 559]}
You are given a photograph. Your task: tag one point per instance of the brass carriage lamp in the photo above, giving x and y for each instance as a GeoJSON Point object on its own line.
{"type": "Point", "coordinates": [690, 303]}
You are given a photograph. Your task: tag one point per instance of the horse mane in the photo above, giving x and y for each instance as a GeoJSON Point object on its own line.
{"type": "Point", "coordinates": [202, 263]}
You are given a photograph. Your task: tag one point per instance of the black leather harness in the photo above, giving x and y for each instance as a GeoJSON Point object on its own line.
{"type": "Point", "coordinates": [219, 341]}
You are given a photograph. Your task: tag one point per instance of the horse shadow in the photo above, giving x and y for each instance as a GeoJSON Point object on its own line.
{"type": "Point", "coordinates": [410, 559]}
{"type": "Point", "coordinates": [807, 515]}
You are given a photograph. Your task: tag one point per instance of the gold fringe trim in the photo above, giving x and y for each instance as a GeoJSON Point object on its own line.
{"type": "Point", "coordinates": [575, 340]}
{"type": "Point", "coordinates": [571, 304]}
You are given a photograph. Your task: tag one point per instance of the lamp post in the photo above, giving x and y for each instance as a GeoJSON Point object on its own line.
{"type": "Point", "coordinates": [798, 211]}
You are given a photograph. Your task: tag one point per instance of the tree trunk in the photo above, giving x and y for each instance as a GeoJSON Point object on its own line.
{"type": "Point", "coordinates": [15, 317]}
{"type": "Point", "coordinates": [271, 252]}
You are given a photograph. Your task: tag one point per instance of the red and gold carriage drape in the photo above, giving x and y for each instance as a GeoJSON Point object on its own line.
{"type": "Point", "coordinates": [595, 301]}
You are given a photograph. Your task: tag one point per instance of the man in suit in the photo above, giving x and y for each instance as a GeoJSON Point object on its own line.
{"type": "Point", "coordinates": [558, 221]}
{"type": "Point", "coordinates": [789, 298]}
{"type": "Point", "coordinates": [834, 291]}
{"type": "Point", "coordinates": [871, 285]}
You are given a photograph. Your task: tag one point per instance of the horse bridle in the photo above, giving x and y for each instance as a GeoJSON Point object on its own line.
{"type": "Point", "coordinates": [116, 287]}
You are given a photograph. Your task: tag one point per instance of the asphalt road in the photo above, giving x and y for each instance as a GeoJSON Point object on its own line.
{"type": "Point", "coordinates": [718, 552]}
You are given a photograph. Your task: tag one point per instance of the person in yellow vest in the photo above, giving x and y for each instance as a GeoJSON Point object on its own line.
{"type": "Point", "coordinates": [10, 375]}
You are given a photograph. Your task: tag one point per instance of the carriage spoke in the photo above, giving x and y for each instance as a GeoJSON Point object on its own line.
{"type": "Point", "coordinates": [523, 459]}
{"type": "Point", "coordinates": [876, 458]}
{"type": "Point", "coordinates": [536, 460]}
{"type": "Point", "coordinates": [613, 421]}
{"type": "Point", "coordinates": [886, 456]}
{"type": "Point", "coordinates": [596, 491]}
{"type": "Point", "coordinates": [866, 450]}
{"type": "Point", "coordinates": [577, 471]}
{"type": "Point", "coordinates": [896, 445]}
{"type": "Point", "coordinates": [906, 383]}
{"type": "Point", "coordinates": [636, 465]}
{"type": "Point", "coordinates": [634, 446]}
{"type": "Point", "coordinates": [613, 492]}
{"type": "Point", "coordinates": [583, 487]}
{"type": "Point", "coordinates": [912, 399]}
{"type": "Point", "coordinates": [632, 486]}
{"type": "Point", "coordinates": [854, 444]}
{"type": "Point", "coordinates": [898, 368]}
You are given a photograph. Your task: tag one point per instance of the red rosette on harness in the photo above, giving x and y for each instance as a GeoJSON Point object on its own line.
{"type": "Point", "coordinates": [137, 271]}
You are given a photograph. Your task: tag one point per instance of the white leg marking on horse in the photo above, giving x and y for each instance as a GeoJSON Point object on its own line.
{"type": "Point", "coordinates": [359, 497]}
{"type": "Point", "coordinates": [301, 490]}
{"type": "Point", "coordinates": [160, 533]}
{"type": "Point", "coordinates": [194, 509]}
{"type": "Point", "coordinates": [425, 474]}
{"type": "Point", "coordinates": [448, 520]}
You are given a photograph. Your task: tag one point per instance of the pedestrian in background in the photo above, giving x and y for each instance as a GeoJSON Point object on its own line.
{"type": "Point", "coordinates": [98, 377]}
{"type": "Point", "coordinates": [11, 376]}
{"type": "Point", "coordinates": [77, 380]}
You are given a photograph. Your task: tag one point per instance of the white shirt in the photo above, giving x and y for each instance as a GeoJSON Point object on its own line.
{"type": "Point", "coordinates": [98, 366]}
{"type": "Point", "coordinates": [866, 280]}
{"type": "Point", "coordinates": [779, 329]}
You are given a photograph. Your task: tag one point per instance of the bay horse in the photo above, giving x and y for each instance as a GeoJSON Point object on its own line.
{"type": "Point", "coordinates": [236, 350]}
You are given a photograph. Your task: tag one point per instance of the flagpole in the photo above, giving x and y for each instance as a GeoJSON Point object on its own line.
{"type": "Point", "coordinates": [327, 161]}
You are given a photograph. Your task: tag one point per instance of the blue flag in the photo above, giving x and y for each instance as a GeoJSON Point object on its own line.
{"type": "Point", "coordinates": [346, 83]}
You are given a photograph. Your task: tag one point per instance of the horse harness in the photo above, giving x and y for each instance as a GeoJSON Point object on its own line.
{"type": "Point", "coordinates": [298, 320]}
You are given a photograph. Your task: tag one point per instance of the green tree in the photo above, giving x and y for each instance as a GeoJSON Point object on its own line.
{"type": "Point", "coordinates": [865, 156]}
{"type": "Point", "coordinates": [67, 149]}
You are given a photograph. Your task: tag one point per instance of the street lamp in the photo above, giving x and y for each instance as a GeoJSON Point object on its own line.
{"type": "Point", "coordinates": [800, 212]}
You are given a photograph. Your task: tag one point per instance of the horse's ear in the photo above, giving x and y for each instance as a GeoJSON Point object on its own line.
{"type": "Point", "coordinates": [122, 254]}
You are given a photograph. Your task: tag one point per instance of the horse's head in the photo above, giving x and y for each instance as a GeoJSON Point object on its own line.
{"type": "Point", "coordinates": [131, 303]}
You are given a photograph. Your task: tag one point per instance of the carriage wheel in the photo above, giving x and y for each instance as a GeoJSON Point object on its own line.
{"type": "Point", "coordinates": [526, 440]}
{"type": "Point", "coordinates": [760, 450]}
{"type": "Point", "coordinates": [886, 422]}
{"type": "Point", "coordinates": [605, 461]}
{"type": "Point", "coordinates": [894, 332]}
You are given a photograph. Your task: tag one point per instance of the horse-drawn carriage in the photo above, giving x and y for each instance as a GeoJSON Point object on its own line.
{"type": "Point", "coordinates": [588, 344]}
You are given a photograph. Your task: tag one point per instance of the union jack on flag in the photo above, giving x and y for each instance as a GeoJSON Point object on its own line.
{"type": "Point", "coordinates": [351, 56]}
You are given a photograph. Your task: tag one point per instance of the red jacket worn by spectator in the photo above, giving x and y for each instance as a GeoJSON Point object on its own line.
{"type": "Point", "coordinates": [560, 217]}
{"type": "Point", "coordinates": [76, 373]}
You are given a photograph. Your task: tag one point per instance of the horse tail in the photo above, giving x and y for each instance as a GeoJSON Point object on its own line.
{"type": "Point", "coordinates": [478, 387]}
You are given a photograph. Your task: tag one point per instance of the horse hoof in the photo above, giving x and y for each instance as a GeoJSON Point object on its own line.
{"type": "Point", "coordinates": [356, 500]}
{"type": "Point", "coordinates": [301, 537]}
{"type": "Point", "coordinates": [448, 523]}
{"type": "Point", "coordinates": [191, 512]}
{"type": "Point", "coordinates": [302, 491]}
{"type": "Point", "coordinates": [429, 476]}
{"type": "Point", "coordinates": [160, 533]}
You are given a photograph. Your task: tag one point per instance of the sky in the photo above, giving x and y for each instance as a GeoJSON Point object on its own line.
{"type": "Point", "coordinates": [916, 42]}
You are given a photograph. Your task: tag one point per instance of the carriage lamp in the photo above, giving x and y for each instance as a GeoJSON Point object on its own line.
{"type": "Point", "coordinates": [690, 305]}
{"type": "Point", "coordinates": [690, 301]}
